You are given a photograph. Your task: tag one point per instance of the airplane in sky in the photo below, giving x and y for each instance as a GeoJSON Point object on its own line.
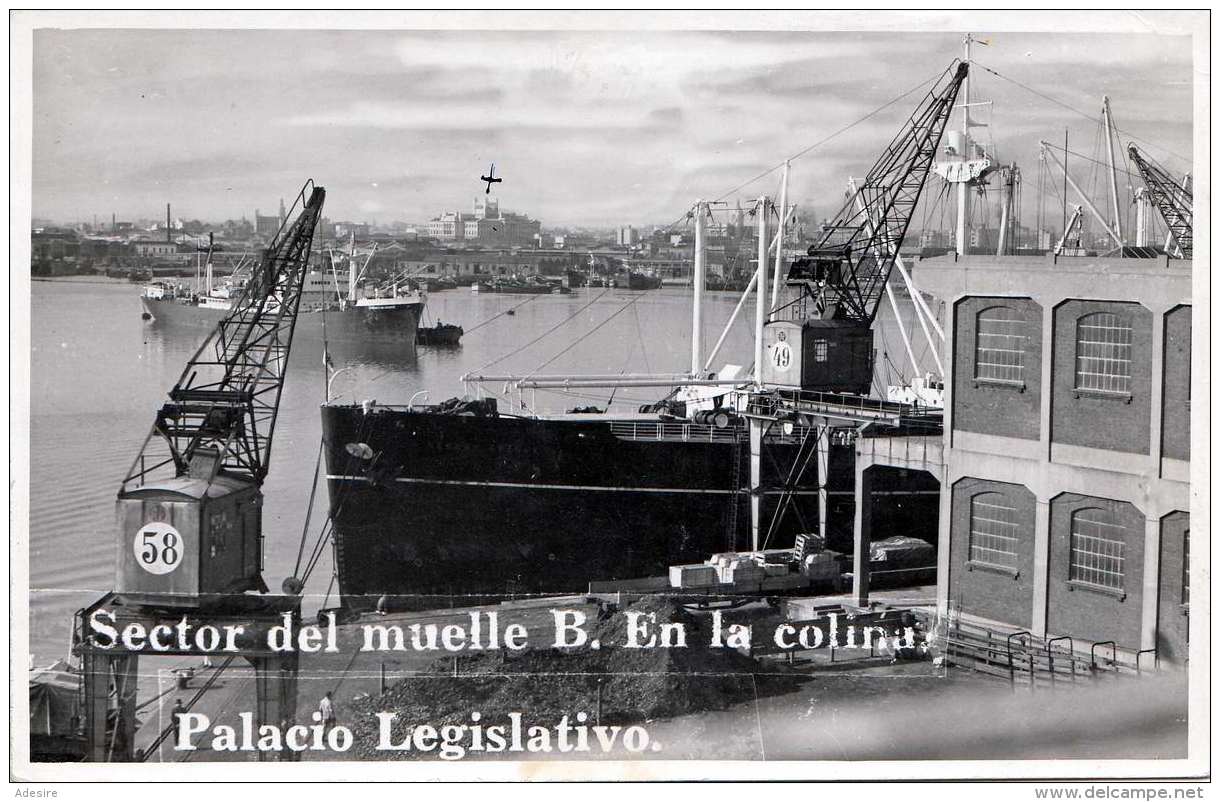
{"type": "Point", "coordinates": [490, 178]}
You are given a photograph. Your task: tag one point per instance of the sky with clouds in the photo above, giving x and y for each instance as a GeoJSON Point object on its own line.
{"type": "Point", "coordinates": [585, 127]}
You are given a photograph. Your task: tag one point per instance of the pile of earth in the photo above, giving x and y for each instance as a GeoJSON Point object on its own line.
{"type": "Point", "coordinates": [612, 684]}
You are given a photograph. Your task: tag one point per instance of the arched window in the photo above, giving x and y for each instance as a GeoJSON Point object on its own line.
{"type": "Point", "coordinates": [1098, 545]}
{"type": "Point", "coordinates": [999, 352]}
{"type": "Point", "coordinates": [1103, 352]}
{"type": "Point", "coordinates": [994, 530]}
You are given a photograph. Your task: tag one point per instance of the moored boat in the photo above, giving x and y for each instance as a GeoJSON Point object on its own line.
{"type": "Point", "coordinates": [439, 334]}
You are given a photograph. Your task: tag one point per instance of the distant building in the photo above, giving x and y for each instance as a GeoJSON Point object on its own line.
{"type": "Point", "coordinates": [476, 264]}
{"type": "Point", "coordinates": [154, 249]}
{"type": "Point", "coordinates": [449, 226]}
{"type": "Point", "coordinates": [346, 229]}
{"type": "Point", "coordinates": [627, 236]}
{"type": "Point", "coordinates": [486, 206]}
{"type": "Point", "coordinates": [266, 225]}
{"type": "Point", "coordinates": [54, 252]}
{"type": "Point", "coordinates": [929, 239]}
{"type": "Point", "coordinates": [486, 226]}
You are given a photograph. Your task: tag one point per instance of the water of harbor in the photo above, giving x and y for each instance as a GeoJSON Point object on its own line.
{"type": "Point", "coordinates": [99, 372]}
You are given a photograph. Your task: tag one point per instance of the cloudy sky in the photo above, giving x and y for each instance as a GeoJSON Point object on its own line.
{"type": "Point", "coordinates": [586, 128]}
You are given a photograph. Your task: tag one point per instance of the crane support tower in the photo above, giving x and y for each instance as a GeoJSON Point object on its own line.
{"type": "Point", "coordinates": [1175, 201]}
{"type": "Point", "coordinates": [189, 515]}
{"type": "Point", "coordinates": [822, 339]}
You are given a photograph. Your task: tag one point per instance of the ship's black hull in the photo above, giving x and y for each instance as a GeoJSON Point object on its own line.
{"type": "Point", "coordinates": [491, 506]}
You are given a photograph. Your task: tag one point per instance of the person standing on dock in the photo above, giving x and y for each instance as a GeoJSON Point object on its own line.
{"type": "Point", "coordinates": [327, 708]}
{"type": "Point", "coordinates": [176, 717]}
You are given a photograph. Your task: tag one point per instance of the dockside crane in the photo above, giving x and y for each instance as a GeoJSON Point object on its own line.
{"type": "Point", "coordinates": [839, 284]}
{"type": "Point", "coordinates": [189, 509]}
{"type": "Point", "coordinates": [1175, 201]}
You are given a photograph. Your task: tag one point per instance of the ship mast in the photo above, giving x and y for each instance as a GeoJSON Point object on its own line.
{"type": "Point", "coordinates": [696, 335]}
{"type": "Point", "coordinates": [962, 168]}
{"type": "Point", "coordinates": [760, 298]}
{"type": "Point", "coordinates": [351, 268]}
{"type": "Point", "coordinates": [1109, 126]}
{"type": "Point", "coordinates": [963, 190]}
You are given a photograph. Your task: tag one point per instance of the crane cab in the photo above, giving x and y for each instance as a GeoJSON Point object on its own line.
{"type": "Point", "coordinates": [825, 356]}
{"type": "Point", "coordinates": [189, 541]}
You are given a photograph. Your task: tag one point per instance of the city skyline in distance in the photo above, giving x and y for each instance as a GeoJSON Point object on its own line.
{"type": "Point", "coordinates": [587, 129]}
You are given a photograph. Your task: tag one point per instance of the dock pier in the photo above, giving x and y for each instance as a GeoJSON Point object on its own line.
{"type": "Point", "coordinates": [146, 632]}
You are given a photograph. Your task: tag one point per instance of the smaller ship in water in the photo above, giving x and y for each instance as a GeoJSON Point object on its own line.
{"type": "Point", "coordinates": [439, 334]}
{"type": "Point", "coordinates": [533, 285]}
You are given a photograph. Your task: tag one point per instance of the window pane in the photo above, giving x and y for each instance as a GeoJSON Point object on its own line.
{"type": "Point", "coordinates": [1000, 345]}
{"type": "Point", "coordinates": [1103, 353]}
{"type": "Point", "coordinates": [1098, 543]}
{"type": "Point", "coordinates": [993, 531]}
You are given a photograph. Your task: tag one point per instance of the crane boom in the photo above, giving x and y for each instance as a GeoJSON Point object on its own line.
{"type": "Point", "coordinates": [822, 339]}
{"type": "Point", "coordinates": [224, 405]}
{"type": "Point", "coordinates": [1175, 201]}
{"type": "Point", "coordinates": [847, 268]}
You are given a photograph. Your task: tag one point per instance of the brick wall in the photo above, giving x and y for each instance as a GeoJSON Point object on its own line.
{"type": "Point", "coordinates": [978, 589]}
{"type": "Point", "coordinates": [1117, 422]}
{"type": "Point", "coordinates": [1086, 613]}
{"type": "Point", "coordinates": [987, 407]}
{"type": "Point", "coordinates": [1175, 406]}
{"type": "Point", "coordinates": [1172, 621]}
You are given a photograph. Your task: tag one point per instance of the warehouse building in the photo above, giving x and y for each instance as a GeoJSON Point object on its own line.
{"type": "Point", "coordinates": [1066, 450]}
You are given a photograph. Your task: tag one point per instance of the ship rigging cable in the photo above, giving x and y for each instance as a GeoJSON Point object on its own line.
{"type": "Point", "coordinates": [587, 334]}
{"type": "Point", "coordinates": [1074, 110]}
{"type": "Point", "coordinates": [543, 335]}
{"type": "Point", "coordinates": [820, 142]}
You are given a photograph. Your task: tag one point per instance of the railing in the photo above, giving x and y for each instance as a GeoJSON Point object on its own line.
{"type": "Point", "coordinates": [1093, 653]}
{"type": "Point", "coordinates": [1012, 674]}
{"type": "Point", "coordinates": [811, 401]}
{"type": "Point", "coordinates": [1050, 656]}
{"type": "Point", "coordinates": [1156, 660]}
{"type": "Point", "coordinates": [705, 433]}
{"type": "Point", "coordinates": [682, 432]}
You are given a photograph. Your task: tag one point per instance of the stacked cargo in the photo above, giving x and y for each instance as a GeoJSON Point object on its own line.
{"type": "Point", "coordinates": [693, 577]}
{"type": "Point", "coordinates": [767, 570]}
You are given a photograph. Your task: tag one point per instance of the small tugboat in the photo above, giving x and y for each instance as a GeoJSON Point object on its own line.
{"type": "Point", "coordinates": [439, 334]}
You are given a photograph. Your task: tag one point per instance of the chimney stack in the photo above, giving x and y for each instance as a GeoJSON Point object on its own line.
{"type": "Point", "coordinates": [168, 230]}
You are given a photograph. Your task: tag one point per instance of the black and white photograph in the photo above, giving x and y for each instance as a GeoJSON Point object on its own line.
{"type": "Point", "coordinates": [611, 395]}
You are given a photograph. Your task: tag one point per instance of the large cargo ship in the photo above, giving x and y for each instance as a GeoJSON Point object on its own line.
{"type": "Point", "coordinates": [459, 499]}
{"type": "Point", "coordinates": [383, 314]}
